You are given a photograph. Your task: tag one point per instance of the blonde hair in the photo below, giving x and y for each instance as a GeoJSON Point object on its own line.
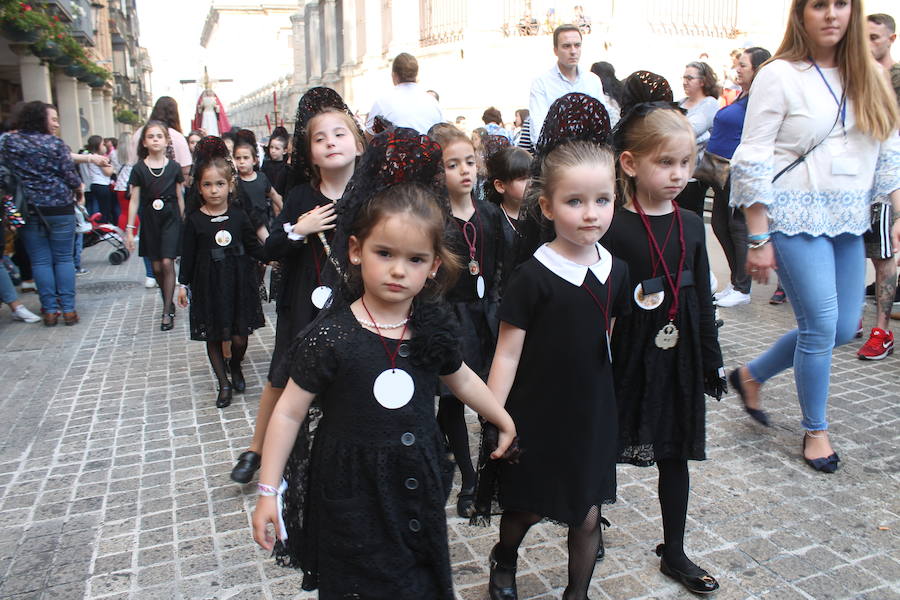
{"type": "Point", "coordinates": [873, 102]}
{"type": "Point", "coordinates": [644, 137]}
{"type": "Point", "coordinates": [316, 176]}
{"type": "Point", "coordinates": [567, 156]}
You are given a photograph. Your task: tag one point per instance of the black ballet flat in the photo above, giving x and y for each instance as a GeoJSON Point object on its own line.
{"type": "Point", "coordinates": [237, 378]}
{"type": "Point", "coordinates": [760, 416]}
{"type": "Point", "coordinates": [495, 592]}
{"type": "Point", "coordinates": [697, 581]}
{"type": "Point", "coordinates": [601, 551]}
{"type": "Point", "coordinates": [224, 397]}
{"type": "Point", "coordinates": [247, 464]}
{"type": "Point", "coordinates": [829, 464]}
{"type": "Point", "coordinates": [465, 502]}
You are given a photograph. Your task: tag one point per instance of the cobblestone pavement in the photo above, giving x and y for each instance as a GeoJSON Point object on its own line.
{"type": "Point", "coordinates": [114, 474]}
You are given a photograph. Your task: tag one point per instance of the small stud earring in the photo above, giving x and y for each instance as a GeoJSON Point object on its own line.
{"type": "Point", "coordinates": [354, 260]}
{"type": "Point", "coordinates": [433, 275]}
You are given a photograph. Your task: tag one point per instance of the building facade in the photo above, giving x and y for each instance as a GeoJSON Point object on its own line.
{"type": "Point", "coordinates": [107, 29]}
{"type": "Point", "coordinates": [478, 53]}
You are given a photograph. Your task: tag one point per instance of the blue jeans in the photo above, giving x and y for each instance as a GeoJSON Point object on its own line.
{"type": "Point", "coordinates": [824, 278]}
{"type": "Point", "coordinates": [7, 289]}
{"type": "Point", "coordinates": [148, 268]}
{"type": "Point", "coordinates": [79, 245]}
{"type": "Point", "coordinates": [51, 260]}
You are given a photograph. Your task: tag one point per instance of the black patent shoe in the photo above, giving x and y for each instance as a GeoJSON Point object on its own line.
{"type": "Point", "coordinates": [495, 592]}
{"type": "Point", "coordinates": [601, 551]}
{"type": "Point", "coordinates": [224, 397]}
{"type": "Point", "coordinates": [168, 321]}
{"type": "Point", "coordinates": [697, 580]}
{"type": "Point", "coordinates": [465, 502]}
{"type": "Point", "coordinates": [758, 415]}
{"type": "Point", "coordinates": [247, 464]}
{"type": "Point", "coordinates": [237, 378]}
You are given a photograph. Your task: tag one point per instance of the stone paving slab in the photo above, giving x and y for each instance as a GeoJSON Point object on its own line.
{"type": "Point", "coordinates": [114, 470]}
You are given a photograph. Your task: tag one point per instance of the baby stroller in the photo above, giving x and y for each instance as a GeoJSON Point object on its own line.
{"type": "Point", "coordinates": [106, 232]}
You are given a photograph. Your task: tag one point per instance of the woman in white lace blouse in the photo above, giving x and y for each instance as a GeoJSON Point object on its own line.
{"type": "Point", "coordinates": [822, 124]}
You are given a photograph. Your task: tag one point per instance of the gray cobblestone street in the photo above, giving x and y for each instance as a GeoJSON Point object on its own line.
{"type": "Point", "coordinates": [114, 473]}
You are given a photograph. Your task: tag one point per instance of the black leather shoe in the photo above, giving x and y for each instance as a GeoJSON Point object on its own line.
{"type": "Point", "coordinates": [697, 580]}
{"type": "Point", "coordinates": [601, 551]}
{"type": "Point", "coordinates": [465, 502]}
{"type": "Point", "coordinates": [224, 397]}
{"type": "Point", "coordinates": [760, 416]}
{"type": "Point", "coordinates": [247, 464]}
{"type": "Point", "coordinates": [237, 378]}
{"type": "Point", "coordinates": [495, 592]}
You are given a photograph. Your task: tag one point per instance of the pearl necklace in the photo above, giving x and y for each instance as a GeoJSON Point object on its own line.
{"type": "Point", "coordinates": [367, 323]}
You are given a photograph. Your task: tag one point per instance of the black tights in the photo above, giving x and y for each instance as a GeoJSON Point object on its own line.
{"type": "Point", "coordinates": [452, 420]}
{"type": "Point", "coordinates": [164, 272]}
{"type": "Point", "coordinates": [217, 357]}
{"type": "Point", "coordinates": [674, 484]}
{"type": "Point", "coordinates": [583, 543]}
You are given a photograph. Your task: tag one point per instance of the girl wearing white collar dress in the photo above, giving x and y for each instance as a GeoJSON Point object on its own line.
{"type": "Point", "coordinates": [552, 369]}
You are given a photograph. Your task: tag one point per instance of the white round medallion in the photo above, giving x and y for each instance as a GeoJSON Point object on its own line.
{"type": "Point", "coordinates": [158, 204]}
{"type": "Point", "coordinates": [648, 301]}
{"type": "Point", "coordinates": [479, 286]}
{"type": "Point", "coordinates": [223, 237]}
{"type": "Point", "coordinates": [393, 388]}
{"type": "Point", "coordinates": [321, 296]}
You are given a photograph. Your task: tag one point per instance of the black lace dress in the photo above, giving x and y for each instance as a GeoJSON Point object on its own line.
{"type": "Point", "coordinates": [302, 267]}
{"type": "Point", "coordinates": [477, 317]}
{"type": "Point", "coordinates": [216, 263]}
{"type": "Point", "coordinates": [662, 408]}
{"type": "Point", "coordinates": [562, 398]}
{"type": "Point", "coordinates": [367, 487]}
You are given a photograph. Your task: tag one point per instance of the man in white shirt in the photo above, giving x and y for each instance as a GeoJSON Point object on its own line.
{"type": "Point", "coordinates": [407, 104]}
{"type": "Point", "coordinates": [565, 77]}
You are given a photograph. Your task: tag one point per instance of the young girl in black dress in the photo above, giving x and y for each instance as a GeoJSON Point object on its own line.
{"type": "Point", "coordinates": [667, 351]}
{"type": "Point", "coordinates": [476, 235]}
{"type": "Point", "coordinates": [255, 192]}
{"type": "Point", "coordinates": [556, 317]}
{"type": "Point", "coordinates": [508, 174]}
{"type": "Point", "coordinates": [157, 194]}
{"type": "Point", "coordinates": [328, 145]}
{"type": "Point", "coordinates": [217, 268]}
{"type": "Point", "coordinates": [275, 166]}
{"type": "Point", "coordinates": [364, 515]}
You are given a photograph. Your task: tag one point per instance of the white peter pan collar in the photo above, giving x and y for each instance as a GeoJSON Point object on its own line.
{"type": "Point", "coordinates": [572, 271]}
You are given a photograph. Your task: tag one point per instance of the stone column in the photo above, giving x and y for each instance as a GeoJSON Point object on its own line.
{"type": "Point", "coordinates": [108, 117]}
{"type": "Point", "coordinates": [314, 42]}
{"type": "Point", "coordinates": [404, 26]}
{"type": "Point", "coordinates": [85, 109]}
{"type": "Point", "coordinates": [35, 79]}
{"type": "Point", "coordinates": [301, 70]}
{"type": "Point", "coordinates": [373, 31]}
{"type": "Point", "coordinates": [98, 125]}
{"type": "Point", "coordinates": [67, 104]}
{"type": "Point", "coordinates": [348, 37]}
{"type": "Point", "coordinates": [331, 41]}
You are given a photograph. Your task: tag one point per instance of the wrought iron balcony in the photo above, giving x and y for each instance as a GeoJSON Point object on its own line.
{"type": "Point", "coordinates": [59, 8]}
{"type": "Point", "coordinates": [83, 21]}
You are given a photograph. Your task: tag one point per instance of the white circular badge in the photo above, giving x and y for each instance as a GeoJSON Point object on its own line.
{"type": "Point", "coordinates": [393, 388]}
{"type": "Point", "coordinates": [223, 237]}
{"type": "Point", "coordinates": [648, 301]}
{"type": "Point", "coordinates": [321, 296]}
{"type": "Point", "coordinates": [479, 286]}
{"type": "Point", "coordinates": [158, 204]}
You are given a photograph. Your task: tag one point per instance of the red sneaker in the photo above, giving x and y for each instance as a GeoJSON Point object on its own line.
{"type": "Point", "coordinates": [880, 345]}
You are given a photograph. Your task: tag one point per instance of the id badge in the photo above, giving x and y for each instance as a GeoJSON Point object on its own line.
{"type": "Point", "coordinates": [844, 164]}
